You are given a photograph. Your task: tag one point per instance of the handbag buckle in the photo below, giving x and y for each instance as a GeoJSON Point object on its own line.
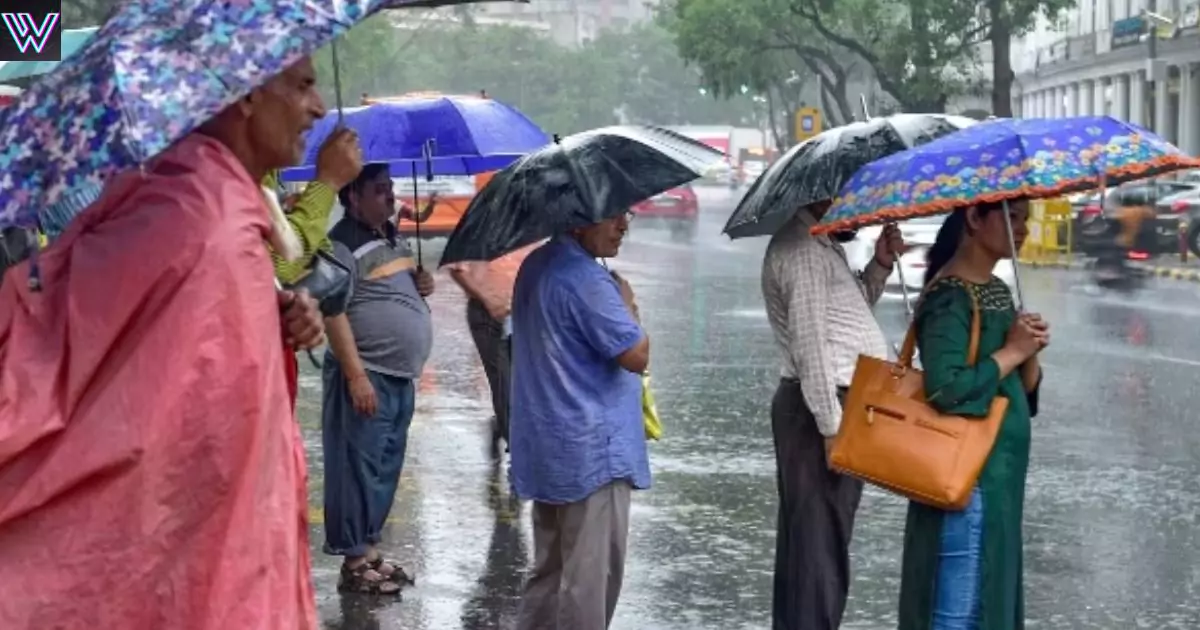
{"type": "Point", "coordinates": [870, 416]}
{"type": "Point", "coordinates": [898, 371]}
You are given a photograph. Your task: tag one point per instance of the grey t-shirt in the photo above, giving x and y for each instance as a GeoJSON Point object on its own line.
{"type": "Point", "coordinates": [389, 318]}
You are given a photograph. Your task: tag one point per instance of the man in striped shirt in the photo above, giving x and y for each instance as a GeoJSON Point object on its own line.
{"type": "Point", "coordinates": [820, 311]}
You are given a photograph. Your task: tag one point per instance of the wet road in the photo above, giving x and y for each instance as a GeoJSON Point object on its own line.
{"type": "Point", "coordinates": [1112, 505]}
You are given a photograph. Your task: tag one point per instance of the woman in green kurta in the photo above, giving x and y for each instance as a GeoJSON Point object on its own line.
{"type": "Point", "coordinates": [962, 570]}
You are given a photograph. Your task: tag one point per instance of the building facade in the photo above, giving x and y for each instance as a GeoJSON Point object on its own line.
{"type": "Point", "coordinates": [1138, 60]}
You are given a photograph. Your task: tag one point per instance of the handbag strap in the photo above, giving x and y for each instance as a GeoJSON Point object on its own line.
{"type": "Point", "coordinates": [910, 338]}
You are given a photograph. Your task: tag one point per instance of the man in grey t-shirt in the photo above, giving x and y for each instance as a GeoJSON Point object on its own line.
{"type": "Point", "coordinates": [377, 349]}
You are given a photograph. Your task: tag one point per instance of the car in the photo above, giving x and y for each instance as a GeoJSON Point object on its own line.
{"type": "Point", "coordinates": [752, 170]}
{"type": "Point", "coordinates": [677, 209]}
{"type": "Point", "coordinates": [1096, 225]}
{"type": "Point", "coordinates": [920, 234]}
{"type": "Point", "coordinates": [720, 173]}
{"type": "Point", "coordinates": [1184, 208]}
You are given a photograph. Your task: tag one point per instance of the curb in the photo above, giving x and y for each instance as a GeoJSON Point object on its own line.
{"type": "Point", "coordinates": [1053, 264]}
{"type": "Point", "coordinates": [1174, 273]}
{"type": "Point", "coordinates": [1171, 273]}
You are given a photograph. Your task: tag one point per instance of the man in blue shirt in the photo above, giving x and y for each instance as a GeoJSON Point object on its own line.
{"type": "Point", "coordinates": [578, 444]}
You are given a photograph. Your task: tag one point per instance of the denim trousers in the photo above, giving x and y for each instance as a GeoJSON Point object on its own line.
{"type": "Point", "coordinates": [959, 571]}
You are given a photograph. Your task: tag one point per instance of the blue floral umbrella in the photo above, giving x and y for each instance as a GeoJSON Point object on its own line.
{"type": "Point", "coordinates": [152, 74]}
{"type": "Point", "coordinates": [1001, 160]}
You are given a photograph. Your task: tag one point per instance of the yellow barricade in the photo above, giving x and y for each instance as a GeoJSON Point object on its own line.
{"type": "Point", "coordinates": [1050, 235]}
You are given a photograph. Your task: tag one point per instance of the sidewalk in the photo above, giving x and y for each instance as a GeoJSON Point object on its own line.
{"type": "Point", "coordinates": [1169, 267]}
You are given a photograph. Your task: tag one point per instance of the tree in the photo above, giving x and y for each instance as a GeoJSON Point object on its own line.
{"type": "Point", "coordinates": [924, 52]}
{"type": "Point", "coordinates": [635, 75]}
{"type": "Point", "coordinates": [85, 13]}
{"type": "Point", "coordinates": [738, 43]}
{"type": "Point", "coordinates": [921, 53]}
{"type": "Point", "coordinates": [1007, 19]}
{"type": "Point", "coordinates": [658, 86]}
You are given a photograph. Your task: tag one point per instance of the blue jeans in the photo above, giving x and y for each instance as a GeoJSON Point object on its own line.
{"type": "Point", "coordinates": [956, 600]}
{"type": "Point", "coordinates": [363, 458]}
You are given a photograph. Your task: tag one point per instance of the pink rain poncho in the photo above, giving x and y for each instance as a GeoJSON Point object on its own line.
{"type": "Point", "coordinates": [151, 469]}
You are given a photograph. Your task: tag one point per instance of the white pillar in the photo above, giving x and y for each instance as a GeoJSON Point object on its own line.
{"type": "Point", "coordinates": [1120, 107]}
{"type": "Point", "coordinates": [1164, 126]}
{"type": "Point", "coordinates": [1137, 99]}
{"type": "Point", "coordinates": [1189, 109]}
{"type": "Point", "coordinates": [1073, 99]}
{"type": "Point", "coordinates": [1087, 102]}
{"type": "Point", "coordinates": [1099, 98]}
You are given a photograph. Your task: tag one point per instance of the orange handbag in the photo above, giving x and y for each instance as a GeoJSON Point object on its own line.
{"type": "Point", "coordinates": [892, 438]}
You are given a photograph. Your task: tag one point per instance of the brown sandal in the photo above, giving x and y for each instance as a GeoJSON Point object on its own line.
{"type": "Point", "coordinates": [367, 580]}
{"type": "Point", "coordinates": [390, 571]}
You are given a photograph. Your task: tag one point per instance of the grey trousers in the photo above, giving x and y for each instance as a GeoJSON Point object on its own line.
{"type": "Point", "coordinates": [495, 352]}
{"type": "Point", "coordinates": [816, 520]}
{"type": "Point", "coordinates": [579, 562]}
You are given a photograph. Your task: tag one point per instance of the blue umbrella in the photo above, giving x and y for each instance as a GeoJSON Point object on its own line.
{"type": "Point", "coordinates": [466, 135]}
{"type": "Point", "coordinates": [72, 40]}
{"type": "Point", "coordinates": [152, 74]}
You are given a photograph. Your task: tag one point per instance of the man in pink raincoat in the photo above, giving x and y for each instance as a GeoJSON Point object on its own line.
{"type": "Point", "coordinates": [151, 469]}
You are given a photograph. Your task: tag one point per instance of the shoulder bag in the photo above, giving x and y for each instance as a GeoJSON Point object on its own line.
{"type": "Point", "coordinates": [892, 438]}
{"type": "Point", "coordinates": [328, 281]}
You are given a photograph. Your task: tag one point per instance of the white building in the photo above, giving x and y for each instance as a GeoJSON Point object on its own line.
{"type": "Point", "coordinates": [1102, 61]}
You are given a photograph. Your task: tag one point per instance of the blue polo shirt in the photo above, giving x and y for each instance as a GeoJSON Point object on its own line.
{"type": "Point", "coordinates": [576, 415]}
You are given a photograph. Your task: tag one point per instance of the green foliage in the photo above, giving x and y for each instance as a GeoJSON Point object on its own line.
{"type": "Point", "coordinates": [85, 13]}
{"type": "Point", "coordinates": [760, 45]}
{"type": "Point", "coordinates": [635, 75]}
{"type": "Point", "coordinates": [922, 52]}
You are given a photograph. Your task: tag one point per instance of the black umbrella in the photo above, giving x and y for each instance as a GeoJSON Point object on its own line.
{"type": "Point", "coordinates": [815, 169]}
{"type": "Point", "coordinates": [579, 180]}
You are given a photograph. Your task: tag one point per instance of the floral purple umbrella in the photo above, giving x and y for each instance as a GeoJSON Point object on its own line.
{"type": "Point", "coordinates": [1001, 160]}
{"type": "Point", "coordinates": [153, 73]}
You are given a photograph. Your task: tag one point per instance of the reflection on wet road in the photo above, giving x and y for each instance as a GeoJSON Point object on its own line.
{"type": "Point", "coordinates": [1112, 504]}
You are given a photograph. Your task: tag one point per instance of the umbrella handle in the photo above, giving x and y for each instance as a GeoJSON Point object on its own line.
{"type": "Point", "coordinates": [1012, 247]}
{"type": "Point", "coordinates": [908, 308]}
{"type": "Point", "coordinates": [417, 214]}
{"type": "Point", "coordinates": [337, 80]}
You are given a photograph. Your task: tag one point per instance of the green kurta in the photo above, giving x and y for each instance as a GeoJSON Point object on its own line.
{"type": "Point", "coordinates": [309, 218]}
{"type": "Point", "coordinates": [943, 332]}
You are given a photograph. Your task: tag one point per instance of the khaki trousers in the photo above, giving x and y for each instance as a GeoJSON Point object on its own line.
{"type": "Point", "coordinates": [579, 562]}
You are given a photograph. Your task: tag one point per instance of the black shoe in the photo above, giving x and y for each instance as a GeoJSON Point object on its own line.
{"type": "Point", "coordinates": [494, 448]}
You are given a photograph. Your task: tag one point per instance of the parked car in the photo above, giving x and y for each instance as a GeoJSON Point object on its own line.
{"type": "Point", "coordinates": [677, 210]}
{"type": "Point", "coordinates": [1096, 226]}
{"type": "Point", "coordinates": [919, 233]}
{"type": "Point", "coordinates": [1184, 207]}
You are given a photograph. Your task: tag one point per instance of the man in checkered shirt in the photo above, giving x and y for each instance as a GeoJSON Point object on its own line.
{"type": "Point", "coordinates": [820, 311]}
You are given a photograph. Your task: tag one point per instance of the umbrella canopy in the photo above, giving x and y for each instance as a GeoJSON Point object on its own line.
{"type": "Point", "coordinates": [149, 76]}
{"type": "Point", "coordinates": [816, 169]}
{"type": "Point", "coordinates": [1000, 160]}
{"type": "Point", "coordinates": [578, 181]}
{"type": "Point", "coordinates": [469, 134]}
{"type": "Point", "coordinates": [72, 40]}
